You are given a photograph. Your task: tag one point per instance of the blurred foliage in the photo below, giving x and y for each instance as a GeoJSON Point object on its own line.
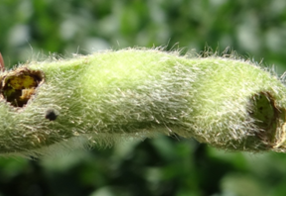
{"type": "Point", "coordinates": [35, 29]}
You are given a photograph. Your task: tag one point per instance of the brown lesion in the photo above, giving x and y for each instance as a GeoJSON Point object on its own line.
{"type": "Point", "coordinates": [19, 85]}
{"type": "Point", "coordinates": [269, 118]}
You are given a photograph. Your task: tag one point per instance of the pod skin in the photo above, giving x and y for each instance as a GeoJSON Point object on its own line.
{"type": "Point", "coordinates": [105, 97]}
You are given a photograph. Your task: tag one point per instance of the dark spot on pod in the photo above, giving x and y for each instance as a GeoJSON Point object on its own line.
{"type": "Point", "coordinates": [51, 114]}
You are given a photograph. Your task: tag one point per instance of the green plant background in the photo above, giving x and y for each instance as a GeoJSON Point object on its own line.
{"type": "Point", "coordinates": [35, 29]}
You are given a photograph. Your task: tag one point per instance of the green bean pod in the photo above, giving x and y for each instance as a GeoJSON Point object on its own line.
{"type": "Point", "coordinates": [106, 97]}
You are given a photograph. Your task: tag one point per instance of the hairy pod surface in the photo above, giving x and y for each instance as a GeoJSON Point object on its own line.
{"type": "Point", "coordinates": [110, 96]}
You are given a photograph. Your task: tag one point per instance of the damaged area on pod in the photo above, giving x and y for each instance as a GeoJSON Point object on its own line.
{"type": "Point", "coordinates": [18, 86]}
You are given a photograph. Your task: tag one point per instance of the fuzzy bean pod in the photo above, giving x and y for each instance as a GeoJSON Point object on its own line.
{"type": "Point", "coordinates": [106, 97]}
